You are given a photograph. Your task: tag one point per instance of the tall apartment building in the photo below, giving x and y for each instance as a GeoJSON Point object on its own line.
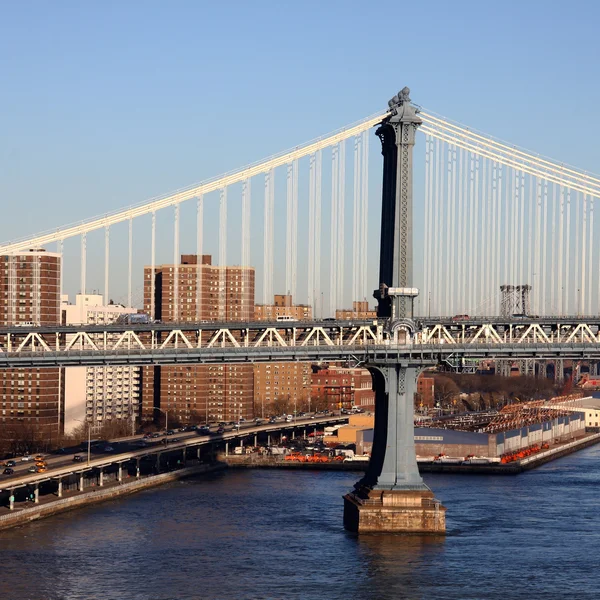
{"type": "Point", "coordinates": [192, 291]}
{"type": "Point", "coordinates": [343, 387]}
{"type": "Point", "coordinates": [30, 399]}
{"type": "Point", "coordinates": [281, 383]}
{"type": "Point", "coordinates": [360, 310]}
{"type": "Point", "coordinates": [282, 307]}
{"type": "Point", "coordinates": [281, 386]}
{"type": "Point", "coordinates": [99, 394]}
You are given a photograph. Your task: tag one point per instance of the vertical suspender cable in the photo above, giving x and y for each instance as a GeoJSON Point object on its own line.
{"type": "Point", "coordinates": [364, 221]}
{"type": "Point", "coordinates": [436, 232]}
{"type": "Point", "coordinates": [294, 227]}
{"type": "Point", "coordinates": [288, 230]}
{"type": "Point", "coordinates": [583, 255]}
{"type": "Point", "coordinates": [311, 235]}
{"type": "Point", "coordinates": [106, 263]}
{"type": "Point", "coordinates": [476, 233]}
{"type": "Point", "coordinates": [62, 264]}
{"type": "Point", "coordinates": [83, 260]}
{"type": "Point", "coordinates": [342, 221]}
{"type": "Point", "coordinates": [199, 252]}
{"type": "Point", "coordinates": [334, 231]}
{"type": "Point", "coordinates": [246, 212]}
{"type": "Point", "coordinates": [522, 274]}
{"type": "Point", "coordinates": [577, 254]}
{"type": "Point", "coordinates": [461, 228]}
{"type": "Point", "coordinates": [222, 253]}
{"type": "Point", "coordinates": [471, 263]}
{"type": "Point", "coordinates": [176, 261]}
{"type": "Point", "coordinates": [130, 266]}
{"type": "Point", "coordinates": [153, 266]}
{"type": "Point", "coordinates": [545, 250]}
{"type": "Point", "coordinates": [318, 169]}
{"type": "Point", "coordinates": [427, 225]}
{"type": "Point", "coordinates": [484, 238]}
{"type": "Point", "coordinates": [537, 286]}
{"type": "Point", "coordinates": [561, 251]}
{"type": "Point", "coordinates": [453, 235]}
{"type": "Point", "coordinates": [590, 257]}
{"type": "Point", "coordinates": [568, 287]}
{"type": "Point", "coordinates": [356, 197]}
{"type": "Point", "coordinates": [553, 248]}
{"type": "Point", "coordinates": [531, 251]}
{"type": "Point", "coordinates": [268, 239]}
{"type": "Point", "coordinates": [448, 228]}
{"type": "Point", "coordinates": [495, 224]}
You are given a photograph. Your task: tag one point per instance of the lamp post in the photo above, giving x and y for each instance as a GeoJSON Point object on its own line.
{"type": "Point", "coordinates": [166, 417]}
{"type": "Point", "coordinates": [89, 428]}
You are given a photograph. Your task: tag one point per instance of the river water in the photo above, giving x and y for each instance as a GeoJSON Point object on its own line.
{"type": "Point", "coordinates": [278, 534]}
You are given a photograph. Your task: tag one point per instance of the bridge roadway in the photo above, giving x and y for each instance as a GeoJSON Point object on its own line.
{"type": "Point", "coordinates": [359, 341]}
{"type": "Point", "coordinates": [63, 465]}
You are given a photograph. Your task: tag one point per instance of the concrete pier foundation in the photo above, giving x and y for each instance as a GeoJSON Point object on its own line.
{"type": "Point", "coordinates": [379, 511]}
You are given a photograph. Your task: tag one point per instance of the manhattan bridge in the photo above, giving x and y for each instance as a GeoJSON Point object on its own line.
{"type": "Point", "coordinates": [486, 251]}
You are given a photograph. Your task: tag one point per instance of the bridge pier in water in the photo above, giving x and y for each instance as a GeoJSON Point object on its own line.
{"type": "Point", "coordinates": [392, 497]}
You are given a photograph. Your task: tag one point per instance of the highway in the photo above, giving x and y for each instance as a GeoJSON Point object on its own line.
{"type": "Point", "coordinates": [130, 448]}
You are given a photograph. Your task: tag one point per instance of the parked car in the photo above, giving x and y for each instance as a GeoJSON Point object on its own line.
{"type": "Point", "coordinates": [8, 471]}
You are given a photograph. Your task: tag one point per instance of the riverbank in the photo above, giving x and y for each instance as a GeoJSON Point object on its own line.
{"type": "Point", "coordinates": [49, 505]}
{"type": "Point", "coordinates": [255, 461]}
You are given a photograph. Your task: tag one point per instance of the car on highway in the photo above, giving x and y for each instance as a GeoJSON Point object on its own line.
{"type": "Point", "coordinates": [220, 430]}
{"type": "Point", "coordinates": [39, 457]}
{"type": "Point", "coordinates": [108, 449]}
{"type": "Point", "coordinates": [204, 430]}
{"type": "Point", "coordinates": [78, 458]}
{"type": "Point", "coordinates": [40, 463]}
{"type": "Point", "coordinates": [10, 463]}
{"type": "Point", "coordinates": [41, 469]}
{"type": "Point", "coordinates": [155, 435]}
{"type": "Point", "coordinates": [32, 469]}
{"type": "Point", "coordinates": [26, 458]}
{"type": "Point", "coordinates": [8, 471]}
{"type": "Point", "coordinates": [170, 432]}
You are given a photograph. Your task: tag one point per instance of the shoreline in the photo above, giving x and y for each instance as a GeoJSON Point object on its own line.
{"type": "Point", "coordinates": [514, 468]}
{"type": "Point", "coordinates": [22, 516]}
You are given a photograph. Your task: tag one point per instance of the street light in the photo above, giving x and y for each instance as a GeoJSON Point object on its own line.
{"type": "Point", "coordinates": [166, 417]}
{"type": "Point", "coordinates": [89, 428]}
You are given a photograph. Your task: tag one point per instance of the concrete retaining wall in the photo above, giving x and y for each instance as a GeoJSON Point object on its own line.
{"type": "Point", "coordinates": [25, 515]}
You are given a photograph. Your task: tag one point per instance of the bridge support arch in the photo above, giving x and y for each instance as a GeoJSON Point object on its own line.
{"type": "Point", "coordinates": [392, 497]}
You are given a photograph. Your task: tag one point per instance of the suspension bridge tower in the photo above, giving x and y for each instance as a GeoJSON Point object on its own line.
{"type": "Point", "coordinates": [392, 497]}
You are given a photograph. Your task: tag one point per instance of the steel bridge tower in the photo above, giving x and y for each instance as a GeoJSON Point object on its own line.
{"type": "Point", "coordinates": [392, 495]}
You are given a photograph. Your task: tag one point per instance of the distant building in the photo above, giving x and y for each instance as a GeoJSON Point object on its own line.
{"type": "Point", "coordinates": [193, 291]}
{"type": "Point", "coordinates": [343, 387]}
{"type": "Point", "coordinates": [285, 383]}
{"type": "Point", "coordinates": [30, 399]}
{"type": "Point", "coordinates": [99, 394]}
{"type": "Point", "coordinates": [425, 392]}
{"type": "Point", "coordinates": [282, 307]}
{"type": "Point", "coordinates": [359, 310]}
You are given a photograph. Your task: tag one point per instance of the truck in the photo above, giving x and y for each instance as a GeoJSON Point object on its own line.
{"type": "Point", "coordinates": [134, 319]}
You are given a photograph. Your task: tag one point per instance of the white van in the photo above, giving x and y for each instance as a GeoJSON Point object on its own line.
{"type": "Point", "coordinates": [289, 418]}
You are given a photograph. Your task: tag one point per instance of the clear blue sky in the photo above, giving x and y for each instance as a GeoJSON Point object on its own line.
{"type": "Point", "coordinates": [105, 104]}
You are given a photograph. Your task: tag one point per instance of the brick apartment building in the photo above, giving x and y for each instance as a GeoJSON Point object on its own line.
{"type": "Point", "coordinates": [282, 306]}
{"type": "Point", "coordinates": [359, 310]}
{"type": "Point", "coordinates": [343, 387]}
{"type": "Point", "coordinates": [204, 293]}
{"type": "Point", "coordinates": [30, 399]}
{"type": "Point", "coordinates": [280, 387]}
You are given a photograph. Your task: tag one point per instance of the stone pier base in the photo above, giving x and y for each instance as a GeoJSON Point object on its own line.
{"type": "Point", "coordinates": [394, 511]}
